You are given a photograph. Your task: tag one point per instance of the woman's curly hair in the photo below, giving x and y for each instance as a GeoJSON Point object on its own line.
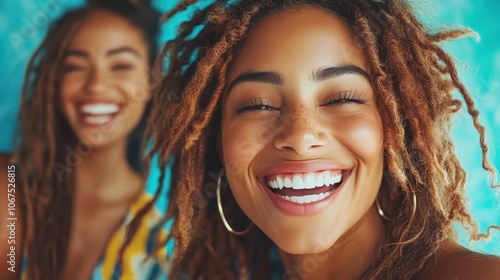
{"type": "Point", "coordinates": [414, 80]}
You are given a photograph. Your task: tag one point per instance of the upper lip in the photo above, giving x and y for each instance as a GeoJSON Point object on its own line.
{"type": "Point", "coordinates": [98, 101]}
{"type": "Point", "coordinates": [291, 167]}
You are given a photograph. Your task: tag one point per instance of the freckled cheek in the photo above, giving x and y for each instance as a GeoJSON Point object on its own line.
{"type": "Point", "coordinates": [241, 143]}
{"type": "Point", "coordinates": [364, 137]}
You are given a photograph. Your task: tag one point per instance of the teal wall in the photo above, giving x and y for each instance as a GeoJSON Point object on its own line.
{"type": "Point", "coordinates": [23, 24]}
{"type": "Point", "coordinates": [478, 62]}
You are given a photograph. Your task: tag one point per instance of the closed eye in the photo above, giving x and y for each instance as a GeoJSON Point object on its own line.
{"type": "Point", "coordinates": [72, 68]}
{"type": "Point", "coordinates": [256, 104]}
{"type": "Point", "coordinates": [122, 67]}
{"type": "Point", "coordinates": [345, 97]}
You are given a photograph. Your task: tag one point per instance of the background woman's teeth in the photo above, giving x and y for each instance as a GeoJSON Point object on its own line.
{"type": "Point", "coordinates": [287, 183]}
{"type": "Point", "coordinates": [100, 109]}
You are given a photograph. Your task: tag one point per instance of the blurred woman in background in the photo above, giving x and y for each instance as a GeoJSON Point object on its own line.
{"type": "Point", "coordinates": [80, 184]}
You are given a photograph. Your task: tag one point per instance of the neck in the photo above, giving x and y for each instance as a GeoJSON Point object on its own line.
{"type": "Point", "coordinates": [349, 258]}
{"type": "Point", "coordinates": [104, 174]}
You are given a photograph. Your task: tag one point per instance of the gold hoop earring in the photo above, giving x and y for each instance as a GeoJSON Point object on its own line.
{"type": "Point", "coordinates": [382, 214]}
{"type": "Point", "coordinates": [221, 212]}
{"type": "Point", "coordinates": [414, 205]}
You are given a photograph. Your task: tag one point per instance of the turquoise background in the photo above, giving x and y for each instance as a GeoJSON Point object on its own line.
{"type": "Point", "coordinates": [23, 24]}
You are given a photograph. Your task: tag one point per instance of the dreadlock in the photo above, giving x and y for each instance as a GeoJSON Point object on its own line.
{"type": "Point", "coordinates": [414, 79]}
{"type": "Point", "coordinates": [47, 180]}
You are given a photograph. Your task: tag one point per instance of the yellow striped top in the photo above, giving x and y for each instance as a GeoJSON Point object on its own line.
{"type": "Point", "coordinates": [136, 265]}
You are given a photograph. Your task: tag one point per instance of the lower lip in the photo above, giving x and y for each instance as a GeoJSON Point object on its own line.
{"type": "Point", "coordinates": [306, 209]}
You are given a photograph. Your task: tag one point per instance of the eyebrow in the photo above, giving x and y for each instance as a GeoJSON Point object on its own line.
{"type": "Point", "coordinates": [123, 49]}
{"type": "Point", "coordinates": [273, 78]}
{"type": "Point", "coordinates": [74, 52]}
{"type": "Point", "coordinates": [336, 71]}
{"type": "Point", "coordinates": [84, 54]}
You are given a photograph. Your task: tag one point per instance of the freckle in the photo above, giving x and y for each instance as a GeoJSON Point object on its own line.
{"type": "Point", "coordinates": [301, 114]}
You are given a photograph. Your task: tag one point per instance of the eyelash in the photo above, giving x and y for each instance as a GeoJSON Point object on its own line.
{"type": "Point", "coordinates": [122, 67]}
{"type": "Point", "coordinates": [255, 104]}
{"type": "Point", "coordinates": [346, 96]}
{"type": "Point", "coordinates": [340, 98]}
{"type": "Point", "coordinates": [118, 67]}
{"type": "Point", "coordinates": [71, 68]}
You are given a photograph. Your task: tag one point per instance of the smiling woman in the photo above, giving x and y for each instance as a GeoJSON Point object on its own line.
{"type": "Point", "coordinates": [104, 80]}
{"type": "Point", "coordinates": [325, 153]}
{"type": "Point", "coordinates": [80, 187]}
{"type": "Point", "coordinates": [330, 121]}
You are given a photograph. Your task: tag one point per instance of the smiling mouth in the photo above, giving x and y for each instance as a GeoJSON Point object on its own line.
{"type": "Point", "coordinates": [98, 113]}
{"type": "Point", "coordinates": [305, 188]}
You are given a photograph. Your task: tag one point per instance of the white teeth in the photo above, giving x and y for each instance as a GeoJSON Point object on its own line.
{"type": "Point", "coordinates": [304, 181]}
{"type": "Point", "coordinates": [320, 181]}
{"type": "Point", "coordinates": [100, 108]}
{"type": "Point", "coordinates": [97, 119]}
{"type": "Point", "coordinates": [327, 179]}
{"type": "Point", "coordinates": [297, 183]}
{"type": "Point", "coordinates": [309, 182]}
{"type": "Point", "coordinates": [336, 179]}
{"type": "Point", "coordinates": [280, 182]}
{"type": "Point", "coordinates": [310, 198]}
{"type": "Point", "coordinates": [307, 198]}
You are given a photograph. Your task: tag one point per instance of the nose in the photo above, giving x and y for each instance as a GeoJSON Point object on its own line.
{"type": "Point", "coordinates": [96, 83]}
{"type": "Point", "coordinates": [301, 132]}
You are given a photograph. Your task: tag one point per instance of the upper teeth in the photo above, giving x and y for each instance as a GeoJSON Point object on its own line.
{"type": "Point", "coordinates": [304, 181]}
{"type": "Point", "coordinates": [100, 108]}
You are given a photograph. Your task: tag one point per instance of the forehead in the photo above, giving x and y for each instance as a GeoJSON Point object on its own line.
{"type": "Point", "coordinates": [305, 37]}
{"type": "Point", "coordinates": [102, 30]}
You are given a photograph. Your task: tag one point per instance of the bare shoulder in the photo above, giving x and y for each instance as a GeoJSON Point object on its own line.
{"type": "Point", "coordinates": [457, 263]}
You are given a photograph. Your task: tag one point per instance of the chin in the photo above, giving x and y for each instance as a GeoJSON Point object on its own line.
{"type": "Point", "coordinates": [304, 248]}
{"type": "Point", "coordinates": [98, 139]}
{"type": "Point", "coordinates": [305, 243]}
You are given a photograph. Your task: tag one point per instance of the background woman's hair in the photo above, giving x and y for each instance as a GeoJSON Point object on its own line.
{"type": "Point", "coordinates": [48, 151]}
{"type": "Point", "coordinates": [414, 79]}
